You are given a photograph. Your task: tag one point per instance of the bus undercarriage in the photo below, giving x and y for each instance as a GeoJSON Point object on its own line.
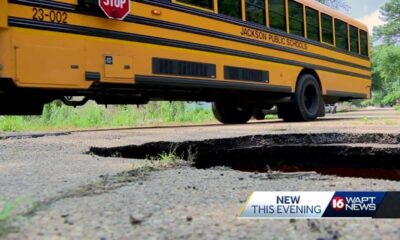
{"type": "Point", "coordinates": [30, 101]}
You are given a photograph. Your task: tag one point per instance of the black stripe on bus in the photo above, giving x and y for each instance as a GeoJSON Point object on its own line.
{"type": "Point", "coordinates": [152, 22]}
{"type": "Point", "coordinates": [205, 32]}
{"type": "Point", "coordinates": [204, 83]}
{"type": "Point", "coordinates": [228, 19]}
{"type": "Point", "coordinates": [167, 4]}
{"type": "Point", "coordinates": [346, 94]}
{"type": "Point", "coordinates": [28, 23]}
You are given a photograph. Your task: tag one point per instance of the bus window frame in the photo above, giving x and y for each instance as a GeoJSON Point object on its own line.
{"type": "Point", "coordinates": [333, 30]}
{"type": "Point", "coordinates": [241, 10]}
{"type": "Point", "coordinates": [288, 17]}
{"type": "Point", "coordinates": [214, 10]}
{"type": "Point", "coordinates": [305, 21]}
{"type": "Point", "coordinates": [265, 13]}
{"type": "Point", "coordinates": [358, 40]}
{"type": "Point", "coordinates": [348, 34]}
{"type": "Point", "coordinates": [368, 54]}
{"type": "Point", "coordinates": [348, 38]}
{"type": "Point", "coordinates": [305, 6]}
{"type": "Point", "coordinates": [306, 24]}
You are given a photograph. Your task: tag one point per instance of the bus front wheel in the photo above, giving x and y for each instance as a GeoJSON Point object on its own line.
{"type": "Point", "coordinates": [229, 113]}
{"type": "Point", "coordinates": [306, 102]}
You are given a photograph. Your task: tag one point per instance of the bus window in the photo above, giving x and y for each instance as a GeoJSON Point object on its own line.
{"type": "Point", "coordinates": [354, 39]}
{"type": "Point", "coordinates": [364, 42]}
{"type": "Point", "coordinates": [208, 4]}
{"type": "Point", "coordinates": [255, 11]}
{"type": "Point", "coordinates": [327, 28]}
{"type": "Point", "coordinates": [296, 18]}
{"type": "Point", "coordinates": [231, 8]}
{"type": "Point", "coordinates": [341, 34]}
{"type": "Point", "coordinates": [312, 24]}
{"type": "Point", "coordinates": [277, 14]}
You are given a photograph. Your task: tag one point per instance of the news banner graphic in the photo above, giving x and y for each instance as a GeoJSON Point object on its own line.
{"type": "Point", "coordinates": [277, 205]}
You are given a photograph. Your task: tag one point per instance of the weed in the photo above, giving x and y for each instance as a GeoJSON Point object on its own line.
{"type": "Point", "coordinates": [191, 155]}
{"type": "Point", "coordinates": [7, 209]}
{"type": "Point", "coordinates": [271, 117]}
{"type": "Point", "coordinates": [389, 122]}
{"type": "Point", "coordinates": [169, 157]}
{"type": "Point", "coordinates": [56, 116]}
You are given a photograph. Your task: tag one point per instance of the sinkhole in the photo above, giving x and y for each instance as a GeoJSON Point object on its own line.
{"type": "Point", "coordinates": [351, 155]}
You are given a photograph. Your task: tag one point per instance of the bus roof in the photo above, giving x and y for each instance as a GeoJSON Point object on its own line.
{"type": "Point", "coordinates": [334, 13]}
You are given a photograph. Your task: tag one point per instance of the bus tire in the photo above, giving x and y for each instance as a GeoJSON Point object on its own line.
{"type": "Point", "coordinates": [228, 113]}
{"type": "Point", "coordinates": [258, 114]}
{"type": "Point", "coordinates": [306, 102]}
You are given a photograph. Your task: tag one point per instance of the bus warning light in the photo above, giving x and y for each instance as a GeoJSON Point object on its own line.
{"type": "Point", "coordinates": [156, 12]}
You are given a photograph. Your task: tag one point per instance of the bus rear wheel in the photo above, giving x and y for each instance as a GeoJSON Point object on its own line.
{"type": "Point", "coordinates": [306, 102]}
{"type": "Point", "coordinates": [229, 113]}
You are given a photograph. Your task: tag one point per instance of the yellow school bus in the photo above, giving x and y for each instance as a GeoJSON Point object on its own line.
{"type": "Point", "coordinates": [241, 55]}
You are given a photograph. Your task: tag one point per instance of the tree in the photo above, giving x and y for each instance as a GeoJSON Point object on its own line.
{"type": "Point", "coordinates": [386, 74]}
{"type": "Point", "coordinates": [336, 4]}
{"type": "Point", "coordinates": [390, 31]}
{"type": "Point", "coordinates": [386, 56]}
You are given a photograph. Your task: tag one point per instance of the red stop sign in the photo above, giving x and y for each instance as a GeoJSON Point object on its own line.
{"type": "Point", "coordinates": [115, 9]}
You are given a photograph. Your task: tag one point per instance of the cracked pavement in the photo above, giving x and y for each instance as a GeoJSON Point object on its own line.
{"type": "Point", "coordinates": [69, 194]}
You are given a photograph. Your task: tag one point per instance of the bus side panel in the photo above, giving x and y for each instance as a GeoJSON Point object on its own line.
{"type": "Point", "coordinates": [3, 14]}
{"type": "Point", "coordinates": [5, 65]}
{"type": "Point", "coordinates": [6, 54]}
{"type": "Point", "coordinates": [143, 53]}
{"type": "Point", "coordinates": [343, 83]}
{"type": "Point", "coordinates": [45, 59]}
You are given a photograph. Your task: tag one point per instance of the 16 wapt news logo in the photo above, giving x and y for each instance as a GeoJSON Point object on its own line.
{"type": "Point", "coordinates": [354, 204]}
{"type": "Point", "coordinates": [269, 205]}
{"type": "Point", "coordinates": [359, 204]}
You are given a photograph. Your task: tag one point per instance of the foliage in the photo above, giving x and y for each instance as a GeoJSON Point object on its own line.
{"type": "Point", "coordinates": [386, 57]}
{"type": "Point", "coordinates": [397, 108]}
{"type": "Point", "coordinates": [336, 4]}
{"type": "Point", "coordinates": [390, 32]}
{"type": "Point", "coordinates": [93, 115]}
{"type": "Point", "coordinates": [386, 74]}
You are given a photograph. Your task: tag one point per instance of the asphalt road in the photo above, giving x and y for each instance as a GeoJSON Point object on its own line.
{"type": "Point", "coordinates": [66, 193]}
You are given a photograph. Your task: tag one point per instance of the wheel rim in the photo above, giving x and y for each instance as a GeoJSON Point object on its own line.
{"type": "Point", "coordinates": [311, 99]}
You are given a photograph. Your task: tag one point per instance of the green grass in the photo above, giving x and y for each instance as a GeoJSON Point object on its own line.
{"type": "Point", "coordinates": [168, 157]}
{"type": "Point", "coordinates": [58, 117]}
{"type": "Point", "coordinates": [271, 117]}
{"type": "Point", "coordinates": [7, 209]}
{"type": "Point", "coordinates": [171, 157]}
{"type": "Point", "coordinates": [365, 119]}
{"type": "Point", "coordinates": [397, 108]}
